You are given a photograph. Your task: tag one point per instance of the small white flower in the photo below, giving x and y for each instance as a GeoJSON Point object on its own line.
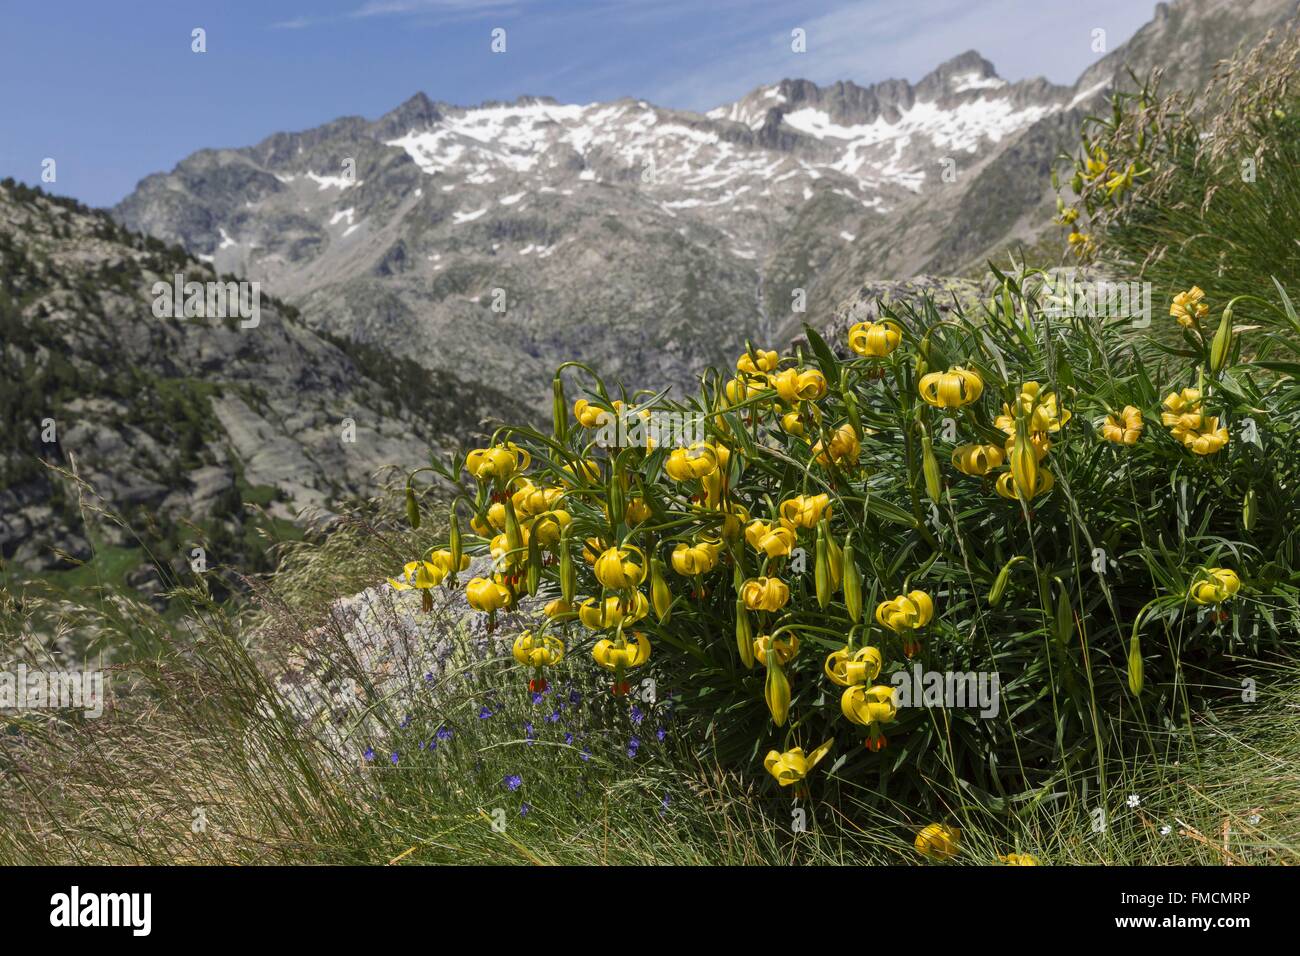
{"type": "Point", "coordinates": [1134, 800]}
{"type": "Point", "coordinates": [1254, 819]}
{"type": "Point", "coordinates": [1166, 830]}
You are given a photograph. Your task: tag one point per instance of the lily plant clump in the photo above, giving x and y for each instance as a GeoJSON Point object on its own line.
{"type": "Point", "coordinates": [1094, 522]}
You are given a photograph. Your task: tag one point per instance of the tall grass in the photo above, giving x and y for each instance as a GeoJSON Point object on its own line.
{"type": "Point", "coordinates": [196, 762]}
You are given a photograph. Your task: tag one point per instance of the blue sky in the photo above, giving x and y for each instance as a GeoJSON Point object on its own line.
{"type": "Point", "coordinates": [111, 90]}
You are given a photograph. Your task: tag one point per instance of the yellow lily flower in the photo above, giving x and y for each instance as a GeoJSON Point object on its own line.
{"type": "Point", "coordinates": [587, 414]}
{"type": "Point", "coordinates": [586, 471]}
{"type": "Point", "coordinates": [734, 516]}
{"type": "Point", "coordinates": [1042, 409]}
{"type": "Point", "coordinates": [795, 385]}
{"type": "Point", "coordinates": [1124, 428]}
{"type": "Point", "coordinates": [420, 575]}
{"type": "Point", "coordinates": [907, 612]}
{"type": "Point", "coordinates": [637, 511]}
{"type": "Point", "coordinates": [1096, 164]}
{"type": "Point", "coordinates": [765, 594]}
{"type": "Point", "coordinates": [1117, 184]}
{"type": "Point", "coordinates": [792, 422]}
{"type": "Point", "coordinates": [843, 450]}
{"type": "Point", "coordinates": [1188, 307]}
{"type": "Point", "coordinates": [938, 841]}
{"type": "Point", "coordinates": [1042, 483]}
{"type": "Point", "coordinates": [1182, 410]}
{"type": "Point", "coordinates": [443, 560]}
{"type": "Point", "coordinates": [742, 388]}
{"type": "Point", "coordinates": [875, 339]}
{"type": "Point", "coordinates": [500, 462]}
{"type": "Point", "coordinates": [774, 540]}
{"type": "Point", "coordinates": [1039, 440]}
{"type": "Point", "coordinates": [486, 595]}
{"type": "Point", "coordinates": [1017, 859]}
{"type": "Point", "coordinates": [499, 548]}
{"type": "Point", "coordinates": [538, 651]}
{"type": "Point", "coordinates": [1208, 439]}
{"type": "Point", "coordinates": [530, 499]}
{"type": "Point", "coordinates": [616, 570]}
{"type": "Point", "coordinates": [691, 560]}
{"type": "Point", "coordinates": [793, 765]}
{"type": "Point", "coordinates": [1214, 586]}
{"type": "Point", "coordinates": [496, 516]}
{"type": "Point", "coordinates": [549, 526]}
{"type": "Point", "coordinates": [805, 511]}
{"type": "Point", "coordinates": [592, 549]}
{"type": "Point", "coordinates": [976, 460]}
{"type": "Point", "coordinates": [613, 655]}
{"type": "Point", "coordinates": [1081, 242]}
{"type": "Point", "coordinates": [785, 647]}
{"type": "Point", "coordinates": [557, 608]}
{"type": "Point", "coordinates": [697, 461]}
{"type": "Point", "coordinates": [951, 389]}
{"type": "Point", "coordinates": [871, 707]}
{"type": "Point", "coordinates": [759, 363]}
{"type": "Point", "coordinates": [860, 667]}
{"type": "Point", "coordinates": [613, 612]}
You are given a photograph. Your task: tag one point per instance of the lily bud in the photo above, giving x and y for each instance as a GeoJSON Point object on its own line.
{"type": "Point", "coordinates": [1024, 464]}
{"type": "Point", "coordinates": [660, 595]}
{"type": "Point", "coordinates": [1064, 619]}
{"type": "Point", "coordinates": [777, 691]}
{"type": "Point", "coordinates": [412, 507]}
{"type": "Point", "coordinates": [1000, 583]}
{"type": "Point", "coordinates": [851, 411]}
{"type": "Point", "coordinates": [534, 576]}
{"type": "Point", "coordinates": [852, 582]}
{"type": "Point", "coordinates": [453, 543]}
{"type": "Point", "coordinates": [836, 555]}
{"type": "Point", "coordinates": [514, 537]}
{"type": "Point", "coordinates": [559, 409]}
{"type": "Point", "coordinates": [568, 575]}
{"type": "Point", "coordinates": [1249, 507]}
{"type": "Point", "coordinates": [930, 468]}
{"type": "Point", "coordinates": [744, 634]}
{"type": "Point", "coordinates": [1222, 343]}
{"type": "Point", "coordinates": [822, 570]}
{"type": "Point", "coordinates": [1135, 665]}
{"type": "Point", "coordinates": [617, 500]}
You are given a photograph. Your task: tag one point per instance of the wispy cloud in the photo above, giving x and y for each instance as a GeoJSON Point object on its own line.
{"type": "Point", "coordinates": [383, 8]}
